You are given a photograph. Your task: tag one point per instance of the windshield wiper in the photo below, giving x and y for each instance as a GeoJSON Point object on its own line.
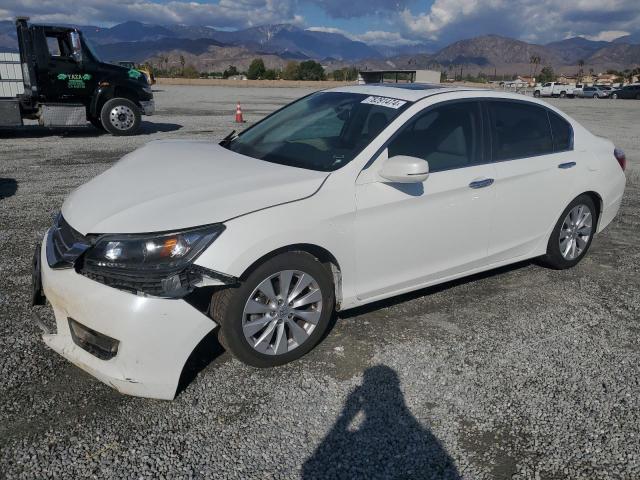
{"type": "Point", "coordinates": [228, 139]}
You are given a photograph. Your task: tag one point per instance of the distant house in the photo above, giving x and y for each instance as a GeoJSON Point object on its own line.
{"type": "Point", "coordinates": [398, 76]}
{"type": "Point", "coordinates": [530, 81]}
{"type": "Point", "coordinates": [606, 79]}
{"type": "Point", "coordinates": [568, 79]}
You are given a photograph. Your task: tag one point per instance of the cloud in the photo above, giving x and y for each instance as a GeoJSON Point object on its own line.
{"type": "Point", "coordinates": [227, 13]}
{"type": "Point", "coordinates": [372, 37]}
{"type": "Point", "coordinates": [607, 35]}
{"type": "Point", "coordinates": [539, 21]}
{"type": "Point", "coordinates": [360, 8]}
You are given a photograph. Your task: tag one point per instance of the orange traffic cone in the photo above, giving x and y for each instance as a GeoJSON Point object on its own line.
{"type": "Point", "coordinates": [239, 118]}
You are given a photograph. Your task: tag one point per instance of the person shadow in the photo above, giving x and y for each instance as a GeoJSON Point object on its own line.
{"type": "Point", "coordinates": [377, 437]}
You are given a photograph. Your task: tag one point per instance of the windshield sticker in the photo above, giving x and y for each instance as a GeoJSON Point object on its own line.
{"type": "Point", "coordinates": [384, 102]}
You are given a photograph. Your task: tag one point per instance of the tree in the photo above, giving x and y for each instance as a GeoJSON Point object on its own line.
{"type": "Point", "coordinates": [232, 71]}
{"type": "Point", "coordinates": [190, 72]}
{"type": "Point", "coordinates": [534, 60]}
{"type": "Point", "coordinates": [182, 62]}
{"type": "Point", "coordinates": [256, 69]}
{"type": "Point", "coordinates": [290, 71]}
{"type": "Point", "coordinates": [270, 74]}
{"type": "Point", "coordinates": [310, 70]}
{"type": "Point", "coordinates": [547, 74]}
{"type": "Point", "coordinates": [580, 70]}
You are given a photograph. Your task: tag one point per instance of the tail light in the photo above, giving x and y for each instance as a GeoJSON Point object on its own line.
{"type": "Point", "coordinates": [620, 157]}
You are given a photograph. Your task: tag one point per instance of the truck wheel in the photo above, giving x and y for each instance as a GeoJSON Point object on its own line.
{"type": "Point", "coordinates": [563, 94]}
{"type": "Point", "coordinates": [120, 116]}
{"type": "Point", "coordinates": [536, 94]}
{"type": "Point", "coordinates": [95, 121]}
{"type": "Point", "coordinates": [614, 96]}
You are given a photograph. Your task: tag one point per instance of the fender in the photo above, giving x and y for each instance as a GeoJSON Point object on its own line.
{"type": "Point", "coordinates": [105, 91]}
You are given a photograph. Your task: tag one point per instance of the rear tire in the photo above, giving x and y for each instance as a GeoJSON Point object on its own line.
{"type": "Point", "coordinates": [563, 94]}
{"type": "Point", "coordinates": [120, 117]}
{"type": "Point", "coordinates": [572, 235]}
{"type": "Point", "coordinates": [264, 326]}
{"type": "Point", "coordinates": [614, 96]}
{"type": "Point", "coordinates": [536, 94]}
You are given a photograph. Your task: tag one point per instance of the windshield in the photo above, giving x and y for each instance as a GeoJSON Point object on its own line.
{"type": "Point", "coordinates": [323, 131]}
{"type": "Point", "coordinates": [91, 48]}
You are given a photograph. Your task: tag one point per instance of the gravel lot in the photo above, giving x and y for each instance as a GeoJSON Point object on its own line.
{"type": "Point", "coordinates": [519, 373]}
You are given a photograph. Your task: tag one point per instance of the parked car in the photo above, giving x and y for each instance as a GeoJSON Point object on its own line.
{"type": "Point", "coordinates": [342, 198]}
{"type": "Point", "coordinates": [628, 91]}
{"type": "Point", "coordinates": [595, 91]}
{"type": "Point", "coordinates": [553, 89]}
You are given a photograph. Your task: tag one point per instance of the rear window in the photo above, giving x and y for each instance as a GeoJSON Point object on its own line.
{"type": "Point", "coordinates": [519, 130]}
{"type": "Point", "coordinates": [562, 133]}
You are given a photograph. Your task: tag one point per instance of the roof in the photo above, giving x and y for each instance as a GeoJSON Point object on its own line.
{"type": "Point", "coordinates": [411, 92]}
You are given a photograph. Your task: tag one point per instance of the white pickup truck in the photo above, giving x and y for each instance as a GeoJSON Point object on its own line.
{"type": "Point", "coordinates": [553, 89]}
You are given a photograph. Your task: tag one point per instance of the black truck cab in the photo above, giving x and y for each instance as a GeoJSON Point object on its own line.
{"type": "Point", "coordinates": [66, 83]}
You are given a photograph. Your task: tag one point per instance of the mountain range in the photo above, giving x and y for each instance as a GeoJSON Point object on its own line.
{"type": "Point", "coordinates": [212, 49]}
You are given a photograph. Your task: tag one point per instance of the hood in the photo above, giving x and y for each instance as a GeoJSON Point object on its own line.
{"type": "Point", "coordinates": [169, 185]}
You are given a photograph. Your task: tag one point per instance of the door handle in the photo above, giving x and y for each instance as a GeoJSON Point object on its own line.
{"type": "Point", "coordinates": [566, 165]}
{"type": "Point", "coordinates": [481, 183]}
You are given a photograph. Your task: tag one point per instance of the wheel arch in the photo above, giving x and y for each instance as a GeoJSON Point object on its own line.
{"type": "Point", "coordinates": [597, 200]}
{"type": "Point", "coordinates": [320, 253]}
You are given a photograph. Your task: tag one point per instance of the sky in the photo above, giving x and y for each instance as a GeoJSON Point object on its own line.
{"type": "Point", "coordinates": [381, 22]}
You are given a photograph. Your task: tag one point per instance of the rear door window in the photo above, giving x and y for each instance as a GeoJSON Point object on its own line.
{"type": "Point", "coordinates": [562, 132]}
{"type": "Point", "coordinates": [519, 130]}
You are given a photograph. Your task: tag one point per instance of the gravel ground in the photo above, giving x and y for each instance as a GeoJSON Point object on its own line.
{"type": "Point", "coordinates": [521, 373]}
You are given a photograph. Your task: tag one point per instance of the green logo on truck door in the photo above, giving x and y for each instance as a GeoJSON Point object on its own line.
{"type": "Point", "coordinates": [75, 80]}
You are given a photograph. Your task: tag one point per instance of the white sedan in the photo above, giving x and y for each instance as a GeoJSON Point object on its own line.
{"type": "Point", "coordinates": [342, 198]}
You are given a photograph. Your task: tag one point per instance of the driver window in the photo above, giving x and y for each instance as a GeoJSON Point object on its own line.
{"type": "Point", "coordinates": [59, 46]}
{"type": "Point", "coordinates": [447, 137]}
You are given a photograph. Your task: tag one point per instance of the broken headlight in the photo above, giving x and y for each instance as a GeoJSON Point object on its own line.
{"type": "Point", "coordinates": [150, 263]}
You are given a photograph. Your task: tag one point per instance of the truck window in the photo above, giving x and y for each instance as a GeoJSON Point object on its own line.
{"type": "Point", "coordinates": [54, 46]}
{"type": "Point", "coordinates": [59, 46]}
{"type": "Point", "coordinates": [547, 85]}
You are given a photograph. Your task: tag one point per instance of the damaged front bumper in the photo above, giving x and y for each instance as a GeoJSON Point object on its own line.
{"type": "Point", "coordinates": [153, 337]}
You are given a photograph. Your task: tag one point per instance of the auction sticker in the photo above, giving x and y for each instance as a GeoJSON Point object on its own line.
{"type": "Point", "coordinates": [384, 102]}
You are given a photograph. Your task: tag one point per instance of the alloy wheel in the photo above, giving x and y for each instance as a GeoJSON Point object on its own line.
{"type": "Point", "coordinates": [575, 232]}
{"type": "Point", "coordinates": [282, 312]}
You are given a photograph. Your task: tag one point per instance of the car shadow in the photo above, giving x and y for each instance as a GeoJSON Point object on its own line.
{"type": "Point", "coordinates": [147, 128]}
{"type": "Point", "coordinates": [8, 187]}
{"type": "Point", "coordinates": [209, 348]}
{"type": "Point", "coordinates": [376, 436]}
{"type": "Point", "coordinates": [89, 131]}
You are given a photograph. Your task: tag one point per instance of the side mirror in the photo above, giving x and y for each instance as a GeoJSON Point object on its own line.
{"type": "Point", "coordinates": [76, 45]}
{"type": "Point", "coordinates": [405, 169]}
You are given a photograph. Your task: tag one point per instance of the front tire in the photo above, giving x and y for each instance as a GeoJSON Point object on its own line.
{"type": "Point", "coordinates": [120, 117]}
{"type": "Point", "coordinates": [614, 96]}
{"type": "Point", "coordinates": [279, 313]}
{"type": "Point", "coordinates": [572, 234]}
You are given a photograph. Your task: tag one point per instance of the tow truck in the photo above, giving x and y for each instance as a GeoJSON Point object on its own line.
{"type": "Point", "coordinates": [58, 79]}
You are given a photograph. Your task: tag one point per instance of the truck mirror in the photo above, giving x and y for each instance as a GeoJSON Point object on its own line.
{"type": "Point", "coordinates": [76, 45]}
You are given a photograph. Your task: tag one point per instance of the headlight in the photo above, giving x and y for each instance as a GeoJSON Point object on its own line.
{"type": "Point", "coordinates": [152, 253]}
{"type": "Point", "coordinates": [151, 264]}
